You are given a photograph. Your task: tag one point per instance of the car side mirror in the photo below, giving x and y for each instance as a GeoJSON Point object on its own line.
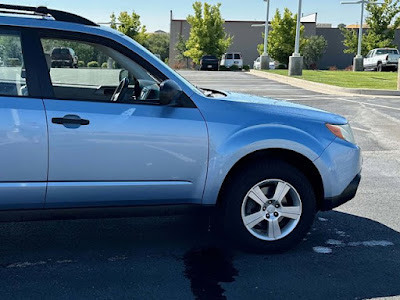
{"type": "Point", "coordinates": [170, 92]}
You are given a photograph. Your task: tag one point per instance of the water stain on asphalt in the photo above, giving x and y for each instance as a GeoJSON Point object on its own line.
{"type": "Point", "coordinates": [206, 269]}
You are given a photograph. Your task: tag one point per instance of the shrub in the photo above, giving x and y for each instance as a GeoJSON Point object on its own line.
{"type": "Point", "coordinates": [81, 64]}
{"type": "Point", "coordinates": [281, 66]}
{"type": "Point", "coordinates": [246, 67]}
{"type": "Point", "coordinates": [104, 65]}
{"type": "Point", "coordinates": [223, 68]}
{"type": "Point", "coordinates": [349, 68]}
{"type": "Point", "coordinates": [179, 65]}
{"type": "Point", "coordinates": [13, 62]}
{"type": "Point", "coordinates": [234, 68]}
{"type": "Point", "coordinates": [93, 64]}
{"type": "Point", "coordinates": [333, 68]}
{"type": "Point", "coordinates": [314, 49]}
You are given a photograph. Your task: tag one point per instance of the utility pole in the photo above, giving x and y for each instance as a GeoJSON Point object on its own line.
{"type": "Point", "coordinates": [296, 60]}
{"type": "Point", "coordinates": [265, 57]}
{"type": "Point", "coordinates": [358, 62]}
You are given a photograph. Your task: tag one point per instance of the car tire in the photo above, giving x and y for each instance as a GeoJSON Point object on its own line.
{"type": "Point", "coordinates": [293, 214]}
{"type": "Point", "coordinates": [379, 67]}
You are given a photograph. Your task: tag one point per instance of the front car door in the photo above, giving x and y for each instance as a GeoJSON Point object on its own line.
{"type": "Point", "coordinates": [128, 152]}
{"type": "Point", "coordinates": [368, 63]}
{"type": "Point", "coordinates": [23, 128]}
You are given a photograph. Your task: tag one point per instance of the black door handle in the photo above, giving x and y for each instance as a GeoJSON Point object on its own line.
{"type": "Point", "coordinates": [70, 120]}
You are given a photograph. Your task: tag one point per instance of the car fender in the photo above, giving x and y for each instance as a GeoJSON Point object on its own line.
{"type": "Point", "coordinates": [224, 157]}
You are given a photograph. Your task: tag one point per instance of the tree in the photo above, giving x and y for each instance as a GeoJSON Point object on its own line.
{"type": "Point", "coordinates": [181, 48]}
{"type": "Point", "coordinates": [207, 33]}
{"type": "Point", "coordinates": [314, 48]}
{"type": "Point", "coordinates": [351, 41]}
{"type": "Point", "coordinates": [129, 25]}
{"type": "Point", "coordinates": [282, 37]}
{"type": "Point", "coordinates": [382, 20]}
{"type": "Point", "coordinates": [341, 25]}
{"type": "Point", "coordinates": [158, 44]}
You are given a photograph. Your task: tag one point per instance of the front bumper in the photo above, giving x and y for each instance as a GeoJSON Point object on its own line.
{"type": "Point", "coordinates": [348, 194]}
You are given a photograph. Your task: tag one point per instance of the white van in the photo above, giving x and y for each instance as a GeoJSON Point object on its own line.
{"type": "Point", "coordinates": [232, 58]}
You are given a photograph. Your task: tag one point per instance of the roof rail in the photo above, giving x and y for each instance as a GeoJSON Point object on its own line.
{"type": "Point", "coordinates": [58, 15]}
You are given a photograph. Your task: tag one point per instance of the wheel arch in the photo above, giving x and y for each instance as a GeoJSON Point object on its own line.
{"type": "Point", "coordinates": [294, 158]}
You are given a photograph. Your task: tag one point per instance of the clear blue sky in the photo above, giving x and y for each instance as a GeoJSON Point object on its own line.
{"type": "Point", "coordinates": [155, 13]}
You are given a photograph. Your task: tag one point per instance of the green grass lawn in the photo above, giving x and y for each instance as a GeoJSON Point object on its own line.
{"type": "Point", "coordinates": [368, 80]}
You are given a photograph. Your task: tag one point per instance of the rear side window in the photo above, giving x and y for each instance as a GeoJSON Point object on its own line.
{"type": "Point", "coordinates": [12, 71]}
{"type": "Point", "coordinates": [237, 56]}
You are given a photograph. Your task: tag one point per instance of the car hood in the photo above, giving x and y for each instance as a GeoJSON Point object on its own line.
{"type": "Point", "coordinates": [284, 108]}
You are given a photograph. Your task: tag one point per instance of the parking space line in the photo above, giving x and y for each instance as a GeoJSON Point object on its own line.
{"type": "Point", "coordinates": [370, 104]}
{"type": "Point", "coordinates": [360, 129]}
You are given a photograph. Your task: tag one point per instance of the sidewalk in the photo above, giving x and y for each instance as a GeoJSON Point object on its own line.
{"type": "Point", "coordinates": [323, 88]}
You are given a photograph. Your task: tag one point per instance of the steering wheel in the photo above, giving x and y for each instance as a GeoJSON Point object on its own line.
{"type": "Point", "coordinates": [120, 91]}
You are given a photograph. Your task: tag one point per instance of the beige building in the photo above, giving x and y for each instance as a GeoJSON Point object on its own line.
{"type": "Point", "coordinates": [247, 37]}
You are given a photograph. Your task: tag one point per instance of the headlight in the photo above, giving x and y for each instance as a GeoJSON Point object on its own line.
{"type": "Point", "coordinates": [343, 132]}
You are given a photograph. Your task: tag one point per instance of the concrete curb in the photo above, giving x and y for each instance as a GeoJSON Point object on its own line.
{"type": "Point", "coordinates": [321, 87]}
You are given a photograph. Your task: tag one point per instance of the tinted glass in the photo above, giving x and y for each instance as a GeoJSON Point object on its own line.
{"type": "Point", "coordinates": [12, 71]}
{"type": "Point", "coordinates": [237, 56]}
{"type": "Point", "coordinates": [229, 56]}
{"type": "Point", "coordinates": [387, 51]}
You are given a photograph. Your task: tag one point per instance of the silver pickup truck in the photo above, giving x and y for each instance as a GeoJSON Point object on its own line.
{"type": "Point", "coordinates": [382, 59]}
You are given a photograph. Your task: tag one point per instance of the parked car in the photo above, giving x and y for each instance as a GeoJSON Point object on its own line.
{"type": "Point", "coordinates": [257, 64]}
{"type": "Point", "coordinates": [63, 57]}
{"type": "Point", "coordinates": [382, 59]}
{"type": "Point", "coordinates": [209, 62]}
{"type": "Point", "coordinates": [265, 166]}
{"type": "Point", "coordinates": [232, 58]}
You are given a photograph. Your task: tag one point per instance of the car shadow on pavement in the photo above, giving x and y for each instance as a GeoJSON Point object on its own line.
{"type": "Point", "coordinates": [343, 257]}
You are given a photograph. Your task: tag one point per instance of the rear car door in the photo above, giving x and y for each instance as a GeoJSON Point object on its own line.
{"type": "Point", "coordinates": [23, 128]}
{"type": "Point", "coordinates": [128, 152]}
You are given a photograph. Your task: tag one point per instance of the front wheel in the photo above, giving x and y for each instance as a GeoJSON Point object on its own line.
{"type": "Point", "coordinates": [268, 207]}
{"type": "Point", "coordinates": [379, 68]}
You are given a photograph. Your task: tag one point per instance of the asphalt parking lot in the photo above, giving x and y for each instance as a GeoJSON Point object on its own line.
{"type": "Point", "coordinates": [351, 253]}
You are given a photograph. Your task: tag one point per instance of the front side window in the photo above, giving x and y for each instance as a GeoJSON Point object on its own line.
{"type": "Point", "coordinates": [94, 72]}
{"type": "Point", "coordinates": [12, 71]}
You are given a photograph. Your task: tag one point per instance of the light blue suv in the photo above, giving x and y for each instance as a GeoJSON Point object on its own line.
{"type": "Point", "coordinates": [125, 130]}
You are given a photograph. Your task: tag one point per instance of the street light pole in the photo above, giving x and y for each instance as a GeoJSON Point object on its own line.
{"type": "Point", "coordinates": [297, 43]}
{"type": "Point", "coordinates": [266, 30]}
{"type": "Point", "coordinates": [360, 32]}
{"type": "Point", "coordinates": [265, 57]}
{"type": "Point", "coordinates": [358, 62]}
{"type": "Point", "coordinates": [296, 60]}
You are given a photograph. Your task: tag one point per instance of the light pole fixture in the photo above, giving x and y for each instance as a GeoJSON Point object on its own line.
{"type": "Point", "coordinates": [358, 63]}
{"type": "Point", "coordinates": [296, 60]}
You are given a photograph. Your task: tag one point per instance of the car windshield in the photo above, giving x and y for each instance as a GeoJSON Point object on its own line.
{"type": "Point", "coordinates": [209, 57]}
